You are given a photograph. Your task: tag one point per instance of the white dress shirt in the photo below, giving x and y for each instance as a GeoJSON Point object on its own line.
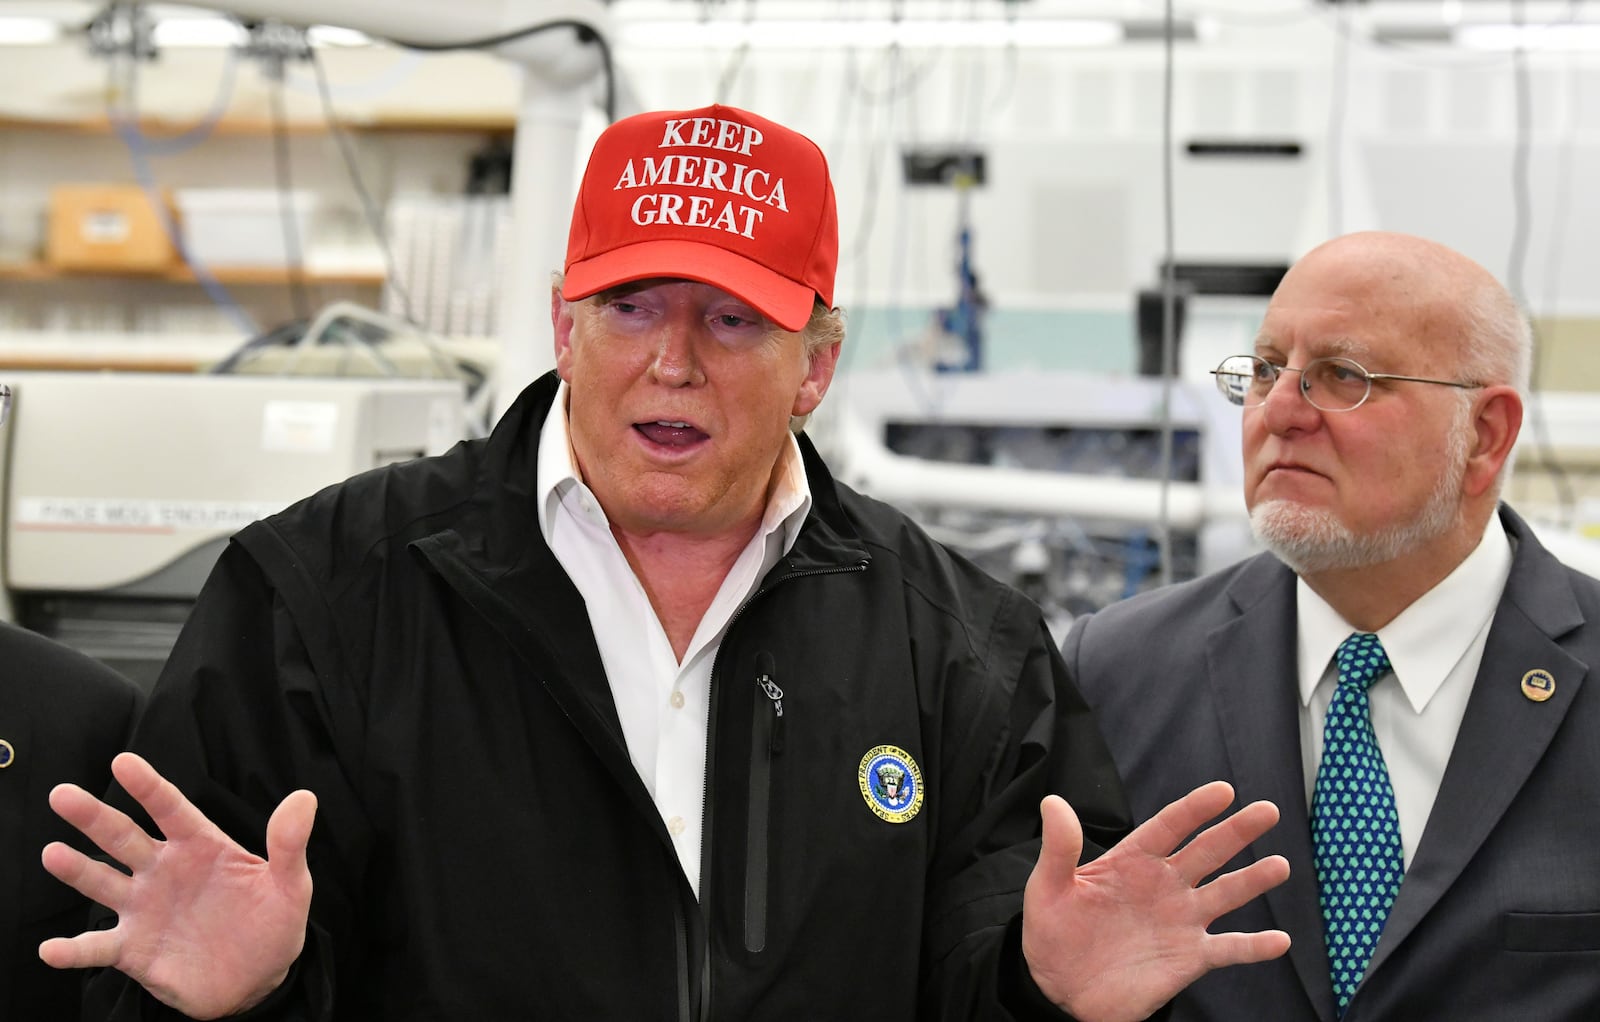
{"type": "Point", "coordinates": [1434, 647]}
{"type": "Point", "coordinates": [664, 704]}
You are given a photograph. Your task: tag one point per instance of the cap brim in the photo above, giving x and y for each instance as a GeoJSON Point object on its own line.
{"type": "Point", "coordinates": [786, 302]}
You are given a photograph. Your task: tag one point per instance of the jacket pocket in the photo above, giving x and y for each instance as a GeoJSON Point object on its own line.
{"type": "Point", "coordinates": [766, 741]}
{"type": "Point", "coordinates": [1550, 931]}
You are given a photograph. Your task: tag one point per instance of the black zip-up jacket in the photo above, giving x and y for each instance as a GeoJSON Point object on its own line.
{"type": "Point", "coordinates": [406, 646]}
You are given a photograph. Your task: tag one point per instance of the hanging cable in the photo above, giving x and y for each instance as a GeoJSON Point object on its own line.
{"type": "Point", "coordinates": [1516, 262]}
{"type": "Point", "coordinates": [741, 53]}
{"type": "Point", "coordinates": [1562, 192]}
{"type": "Point", "coordinates": [1338, 96]}
{"type": "Point", "coordinates": [203, 129]}
{"type": "Point", "coordinates": [294, 261]}
{"type": "Point", "coordinates": [370, 209]}
{"type": "Point", "coordinates": [585, 32]}
{"type": "Point", "coordinates": [1169, 303]}
{"type": "Point", "coordinates": [122, 113]}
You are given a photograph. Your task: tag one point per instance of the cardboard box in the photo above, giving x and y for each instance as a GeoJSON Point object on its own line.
{"type": "Point", "coordinates": [107, 227]}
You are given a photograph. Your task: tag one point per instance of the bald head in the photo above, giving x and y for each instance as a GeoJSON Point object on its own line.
{"type": "Point", "coordinates": [1430, 293]}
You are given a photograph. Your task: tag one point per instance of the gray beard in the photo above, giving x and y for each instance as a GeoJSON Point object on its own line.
{"type": "Point", "coordinates": [1312, 540]}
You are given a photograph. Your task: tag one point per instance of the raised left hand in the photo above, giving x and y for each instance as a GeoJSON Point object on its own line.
{"type": "Point", "coordinates": [1116, 938]}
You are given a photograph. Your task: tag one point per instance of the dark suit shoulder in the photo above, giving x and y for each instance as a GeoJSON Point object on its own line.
{"type": "Point", "coordinates": [58, 687]}
{"type": "Point", "coordinates": [1197, 604]}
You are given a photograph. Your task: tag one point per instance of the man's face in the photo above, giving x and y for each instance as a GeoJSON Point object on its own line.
{"type": "Point", "coordinates": [1330, 490]}
{"type": "Point", "coordinates": [680, 402]}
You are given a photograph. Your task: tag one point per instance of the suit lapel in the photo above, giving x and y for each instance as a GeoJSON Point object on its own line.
{"type": "Point", "coordinates": [1503, 733]}
{"type": "Point", "coordinates": [1258, 710]}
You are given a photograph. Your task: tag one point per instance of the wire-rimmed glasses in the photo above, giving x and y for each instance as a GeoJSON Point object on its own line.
{"type": "Point", "coordinates": [1332, 384]}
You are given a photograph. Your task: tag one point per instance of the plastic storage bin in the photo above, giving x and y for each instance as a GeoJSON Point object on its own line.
{"type": "Point", "coordinates": [243, 227]}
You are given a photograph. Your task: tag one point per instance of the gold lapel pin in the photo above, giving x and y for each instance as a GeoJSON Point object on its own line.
{"type": "Point", "coordinates": [7, 754]}
{"type": "Point", "coordinates": [1538, 684]}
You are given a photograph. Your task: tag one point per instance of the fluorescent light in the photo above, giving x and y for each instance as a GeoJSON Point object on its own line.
{"type": "Point", "coordinates": [1529, 37]}
{"type": "Point", "coordinates": [198, 32]}
{"type": "Point", "coordinates": [28, 31]}
{"type": "Point", "coordinates": [332, 35]}
{"type": "Point", "coordinates": [798, 33]}
{"type": "Point", "coordinates": [222, 32]}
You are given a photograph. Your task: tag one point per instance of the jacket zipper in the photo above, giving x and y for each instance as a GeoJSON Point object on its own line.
{"type": "Point", "coordinates": [766, 741]}
{"type": "Point", "coordinates": [706, 808]}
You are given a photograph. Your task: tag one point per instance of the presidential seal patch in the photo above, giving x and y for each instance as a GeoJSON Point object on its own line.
{"type": "Point", "coordinates": [891, 782]}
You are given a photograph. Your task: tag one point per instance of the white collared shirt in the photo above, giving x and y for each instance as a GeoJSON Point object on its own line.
{"type": "Point", "coordinates": [1434, 646]}
{"type": "Point", "coordinates": [664, 705]}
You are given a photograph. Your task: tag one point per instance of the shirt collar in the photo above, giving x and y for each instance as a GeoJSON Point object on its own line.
{"type": "Point", "coordinates": [787, 504]}
{"type": "Point", "coordinates": [1428, 638]}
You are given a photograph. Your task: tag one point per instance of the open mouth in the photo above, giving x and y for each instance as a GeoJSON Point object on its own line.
{"type": "Point", "coordinates": [670, 432]}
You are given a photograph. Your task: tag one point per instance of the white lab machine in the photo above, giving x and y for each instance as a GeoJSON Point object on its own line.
{"type": "Point", "coordinates": [122, 489]}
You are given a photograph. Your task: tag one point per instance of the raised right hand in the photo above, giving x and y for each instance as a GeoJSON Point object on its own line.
{"type": "Point", "coordinates": [204, 925]}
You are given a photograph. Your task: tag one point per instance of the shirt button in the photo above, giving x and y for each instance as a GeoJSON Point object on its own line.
{"type": "Point", "coordinates": [675, 826]}
{"type": "Point", "coordinates": [677, 700]}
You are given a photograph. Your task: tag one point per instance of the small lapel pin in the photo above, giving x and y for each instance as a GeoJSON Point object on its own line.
{"type": "Point", "coordinates": [1538, 684]}
{"type": "Point", "coordinates": [7, 754]}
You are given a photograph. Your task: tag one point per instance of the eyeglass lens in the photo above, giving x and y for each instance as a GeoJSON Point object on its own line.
{"type": "Point", "coordinates": [1332, 384]}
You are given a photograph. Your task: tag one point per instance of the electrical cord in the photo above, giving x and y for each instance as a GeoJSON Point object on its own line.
{"type": "Point", "coordinates": [281, 335]}
{"type": "Point", "coordinates": [585, 32]}
{"type": "Point", "coordinates": [203, 129]}
{"type": "Point", "coordinates": [1169, 302]}
{"type": "Point", "coordinates": [293, 247]}
{"type": "Point", "coordinates": [369, 205]}
{"type": "Point", "coordinates": [124, 120]}
{"type": "Point", "coordinates": [373, 215]}
{"type": "Point", "coordinates": [1521, 227]}
{"type": "Point", "coordinates": [735, 64]}
{"type": "Point", "coordinates": [1338, 96]}
{"type": "Point", "coordinates": [1562, 191]}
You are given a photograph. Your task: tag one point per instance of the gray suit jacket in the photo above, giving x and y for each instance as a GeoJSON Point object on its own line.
{"type": "Point", "coordinates": [1499, 913]}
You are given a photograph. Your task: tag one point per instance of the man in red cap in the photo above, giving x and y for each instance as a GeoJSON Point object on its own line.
{"type": "Point", "coordinates": [630, 711]}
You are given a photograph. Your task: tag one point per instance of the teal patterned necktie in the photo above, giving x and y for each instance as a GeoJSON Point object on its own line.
{"type": "Point", "coordinates": [1354, 824]}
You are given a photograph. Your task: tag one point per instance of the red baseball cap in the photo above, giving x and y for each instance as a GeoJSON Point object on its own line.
{"type": "Point", "coordinates": [718, 195]}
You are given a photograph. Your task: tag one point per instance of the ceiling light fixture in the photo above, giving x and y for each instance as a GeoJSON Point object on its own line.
{"type": "Point", "coordinates": [875, 33]}
{"type": "Point", "coordinates": [1548, 37]}
{"type": "Point", "coordinates": [28, 31]}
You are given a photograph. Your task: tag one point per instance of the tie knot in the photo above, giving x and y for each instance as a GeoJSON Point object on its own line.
{"type": "Point", "coordinates": [1361, 658]}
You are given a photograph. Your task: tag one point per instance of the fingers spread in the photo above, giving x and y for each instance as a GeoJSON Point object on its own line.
{"type": "Point", "coordinates": [86, 950]}
{"type": "Point", "coordinates": [1164, 831]}
{"type": "Point", "coordinates": [91, 878]}
{"type": "Point", "coordinates": [1212, 849]}
{"type": "Point", "coordinates": [112, 830]}
{"type": "Point", "coordinates": [1231, 890]}
{"type": "Point", "coordinates": [168, 808]}
{"type": "Point", "coordinates": [1243, 948]}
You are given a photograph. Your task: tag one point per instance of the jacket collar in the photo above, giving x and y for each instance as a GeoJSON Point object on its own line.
{"type": "Point", "coordinates": [505, 514]}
